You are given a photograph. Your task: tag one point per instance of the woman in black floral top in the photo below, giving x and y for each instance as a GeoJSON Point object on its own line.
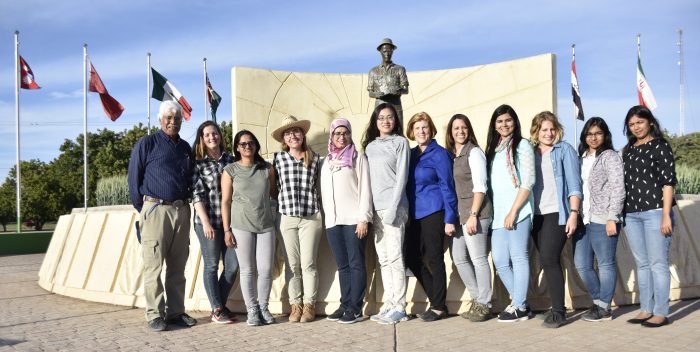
{"type": "Point", "coordinates": [649, 179]}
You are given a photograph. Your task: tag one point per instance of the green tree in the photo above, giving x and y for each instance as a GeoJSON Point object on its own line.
{"type": "Point", "coordinates": [8, 200]}
{"type": "Point", "coordinates": [686, 149]}
{"type": "Point", "coordinates": [41, 193]}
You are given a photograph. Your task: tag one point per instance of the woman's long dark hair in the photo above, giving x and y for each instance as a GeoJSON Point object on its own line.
{"type": "Point", "coordinates": [259, 161]}
{"type": "Point", "coordinates": [198, 148]}
{"type": "Point", "coordinates": [494, 136]}
{"type": "Point", "coordinates": [372, 132]}
{"type": "Point", "coordinates": [450, 141]}
{"type": "Point", "coordinates": [607, 142]}
{"type": "Point", "coordinates": [643, 113]}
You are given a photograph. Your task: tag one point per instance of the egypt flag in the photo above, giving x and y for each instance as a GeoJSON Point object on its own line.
{"type": "Point", "coordinates": [646, 97]}
{"type": "Point", "coordinates": [26, 75]}
{"type": "Point", "coordinates": [164, 90]}
{"type": "Point", "coordinates": [575, 92]}
{"type": "Point", "coordinates": [111, 106]}
{"type": "Point", "coordinates": [213, 98]}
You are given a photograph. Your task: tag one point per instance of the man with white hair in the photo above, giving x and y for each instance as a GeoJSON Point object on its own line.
{"type": "Point", "coordinates": [160, 172]}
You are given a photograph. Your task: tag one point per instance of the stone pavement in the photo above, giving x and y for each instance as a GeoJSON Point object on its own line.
{"type": "Point", "coordinates": [32, 319]}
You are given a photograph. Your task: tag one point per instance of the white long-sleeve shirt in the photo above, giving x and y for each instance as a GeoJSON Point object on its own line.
{"type": "Point", "coordinates": [346, 195]}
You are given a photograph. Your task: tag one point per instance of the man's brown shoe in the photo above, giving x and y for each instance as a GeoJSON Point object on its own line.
{"type": "Point", "coordinates": [309, 313]}
{"type": "Point", "coordinates": [295, 315]}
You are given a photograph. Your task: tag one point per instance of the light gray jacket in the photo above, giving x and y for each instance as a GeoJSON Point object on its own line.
{"type": "Point", "coordinates": [607, 187]}
{"type": "Point", "coordinates": [388, 173]}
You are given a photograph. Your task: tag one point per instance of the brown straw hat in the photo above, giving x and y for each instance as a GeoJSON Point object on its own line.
{"type": "Point", "coordinates": [290, 122]}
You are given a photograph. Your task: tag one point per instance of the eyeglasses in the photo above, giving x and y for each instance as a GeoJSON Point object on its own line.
{"type": "Point", "coordinates": [244, 145]}
{"type": "Point", "coordinates": [340, 134]}
{"type": "Point", "coordinates": [290, 132]}
{"type": "Point", "coordinates": [595, 134]}
{"type": "Point", "coordinates": [385, 118]}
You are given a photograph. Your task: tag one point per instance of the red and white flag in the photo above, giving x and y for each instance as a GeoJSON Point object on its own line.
{"type": "Point", "coordinates": [646, 96]}
{"type": "Point", "coordinates": [111, 106]}
{"type": "Point", "coordinates": [26, 75]}
{"type": "Point", "coordinates": [575, 91]}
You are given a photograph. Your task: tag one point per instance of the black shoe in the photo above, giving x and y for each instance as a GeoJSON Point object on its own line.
{"type": "Point", "coordinates": [656, 325]}
{"type": "Point", "coordinates": [554, 320]}
{"type": "Point", "coordinates": [596, 313]}
{"type": "Point", "coordinates": [183, 320]}
{"type": "Point", "coordinates": [512, 314]}
{"type": "Point", "coordinates": [335, 316]}
{"type": "Point", "coordinates": [350, 317]}
{"type": "Point", "coordinates": [638, 320]}
{"type": "Point", "coordinates": [431, 315]}
{"type": "Point", "coordinates": [157, 324]}
{"type": "Point", "coordinates": [545, 315]}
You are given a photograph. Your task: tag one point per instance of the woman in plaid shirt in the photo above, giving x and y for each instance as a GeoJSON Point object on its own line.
{"type": "Point", "coordinates": [297, 169]}
{"type": "Point", "coordinates": [210, 159]}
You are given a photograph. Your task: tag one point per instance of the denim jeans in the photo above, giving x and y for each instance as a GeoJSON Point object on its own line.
{"type": "Point", "coordinates": [509, 249]}
{"type": "Point", "coordinates": [591, 242]}
{"type": "Point", "coordinates": [349, 252]}
{"type": "Point", "coordinates": [470, 256]}
{"type": "Point", "coordinates": [650, 250]}
{"type": "Point", "coordinates": [212, 250]}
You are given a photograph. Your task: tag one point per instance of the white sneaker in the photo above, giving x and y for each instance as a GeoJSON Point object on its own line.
{"type": "Point", "coordinates": [394, 316]}
{"type": "Point", "coordinates": [382, 312]}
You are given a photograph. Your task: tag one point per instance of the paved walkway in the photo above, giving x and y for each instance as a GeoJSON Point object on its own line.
{"type": "Point", "coordinates": [32, 319]}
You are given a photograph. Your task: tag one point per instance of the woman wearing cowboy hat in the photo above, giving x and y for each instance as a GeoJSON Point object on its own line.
{"type": "Point", "coordinates": [297, 168]}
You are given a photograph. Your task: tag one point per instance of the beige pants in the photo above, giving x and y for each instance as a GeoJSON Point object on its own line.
{"type": "Point", "coordinates": [165, 235]}
{"type": "Point", "coordinates": [301, 236]}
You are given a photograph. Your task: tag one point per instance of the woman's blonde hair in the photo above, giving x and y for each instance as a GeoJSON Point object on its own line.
{"type": "Point", "coordinates": [421, 116]}
{"type": "Point", "coordinates": [537, 125]}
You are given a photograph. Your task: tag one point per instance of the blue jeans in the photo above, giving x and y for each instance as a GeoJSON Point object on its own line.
{"type": "Point", "coordinates": [591, 242]}
{"type": "Point", "coordinates": [349, 252]}
{"type": "Point", "coordinates": [509, 249]}
{"type": "Point", "coordinates": [212, 250]}
{"type": "Point", "coordinates": [650, 250]}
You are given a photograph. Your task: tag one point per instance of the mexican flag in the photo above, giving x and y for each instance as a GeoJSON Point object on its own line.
{"type": "Point", "coordinates": [164, 90]}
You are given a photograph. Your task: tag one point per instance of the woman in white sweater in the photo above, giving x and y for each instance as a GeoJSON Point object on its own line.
{"type": "Point", "coordinates": [347, 205]}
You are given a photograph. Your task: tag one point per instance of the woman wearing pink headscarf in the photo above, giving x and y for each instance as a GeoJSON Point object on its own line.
{"type": "Point", "coordinates": [347, 206]}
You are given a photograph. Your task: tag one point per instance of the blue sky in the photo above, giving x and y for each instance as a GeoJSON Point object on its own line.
{"type": "Point", "coordinates": [328, 36]}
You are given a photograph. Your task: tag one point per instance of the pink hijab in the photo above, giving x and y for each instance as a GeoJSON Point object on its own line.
{"type": "Point", "coordinates": [339, 158]}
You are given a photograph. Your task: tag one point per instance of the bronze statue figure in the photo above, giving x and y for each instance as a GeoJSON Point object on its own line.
{"type": "Point", "coordinates": [388, 81]}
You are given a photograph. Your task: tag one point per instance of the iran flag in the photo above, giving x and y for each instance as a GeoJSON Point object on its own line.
{"type": "Point", "coordinates": [164, 90]}
{"type": "Point", "coordinates": [646, 97]}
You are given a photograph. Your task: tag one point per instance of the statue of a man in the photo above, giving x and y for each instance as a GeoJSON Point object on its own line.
{"type": "Point", "coordinates": [388, 81]}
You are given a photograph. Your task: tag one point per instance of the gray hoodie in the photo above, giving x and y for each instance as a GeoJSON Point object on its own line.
{"type": "Point", "coordinates": [388, 172]}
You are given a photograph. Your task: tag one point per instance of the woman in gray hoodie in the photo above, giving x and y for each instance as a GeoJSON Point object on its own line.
{"type": "Point", "coordinates": [602, 173]}
{"type": "Point", "coordinates": [388, 157]}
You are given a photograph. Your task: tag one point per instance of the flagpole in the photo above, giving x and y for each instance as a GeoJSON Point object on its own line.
{"type": "Point", "coordinates": [85, 134]}
{"type": "Point", "coordinates": [573, 57]}
{"type": "Point", "coordinates": [148, 91]}
{"type": "Point", "coordinates": [18, 174]}
{"type": "Point", "coordinates": [206, 100]}
{"type": "Point", "coordinates": [681, 102]}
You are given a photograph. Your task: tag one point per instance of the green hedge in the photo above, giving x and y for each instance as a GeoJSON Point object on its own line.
{"type": "Point", "coordinates": [25, 243]}
{"type": "Point", "coordinates": [688, 179]}
{"type": "Point", "coordinates": [113, 190]}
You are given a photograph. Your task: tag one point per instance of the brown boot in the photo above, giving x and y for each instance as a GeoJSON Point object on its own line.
{"type": "Point", "coordinates": [309, 313]}
{"type": "Point", "coordinates": [295, 315]}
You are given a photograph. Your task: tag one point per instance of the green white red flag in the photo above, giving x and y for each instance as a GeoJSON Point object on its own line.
{"type": "Point", "coordinates": [646, 96]}
{"type": "Point", "coordinates": [164, 90]}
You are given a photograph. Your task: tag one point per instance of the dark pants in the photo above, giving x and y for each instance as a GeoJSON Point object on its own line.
{"type": "Point", "coordinates": [550, 238]}
{"type": "Point", "coordinates": [349, 252]}
{"type": "Point", "coordinates": [424, 246]}
{"type": "Point", "coordinates": [217, 287]}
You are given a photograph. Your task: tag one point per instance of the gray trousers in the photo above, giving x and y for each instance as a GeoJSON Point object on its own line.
{"type": "Point", "coordinates": [256, 253]}
{"type": "Point", "coordinates": [470, 256]}
{"type": "Point", "coordinates": [165, 236]}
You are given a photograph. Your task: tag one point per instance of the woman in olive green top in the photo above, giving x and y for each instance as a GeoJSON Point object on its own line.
{"type": "Point", "coordinates": [246, 187]}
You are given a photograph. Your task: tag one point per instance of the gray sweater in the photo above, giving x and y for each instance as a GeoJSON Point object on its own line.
{"type": "Point", "coordinates": [388, 173]}
{"type": "Point", "coordinates": [607, 186]}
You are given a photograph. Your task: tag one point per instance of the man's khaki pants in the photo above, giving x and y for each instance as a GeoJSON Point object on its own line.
{"type": "Point", "coordinates": [165, 235]}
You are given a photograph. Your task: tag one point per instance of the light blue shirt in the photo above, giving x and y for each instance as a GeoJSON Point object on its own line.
{"type": "Point", "coordinates": [501, 186]}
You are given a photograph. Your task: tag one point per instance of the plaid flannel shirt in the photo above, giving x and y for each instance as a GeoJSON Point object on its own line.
{"type": "Point", "coordinates": [297, 185]}
{"type": "Point", "coordinates": [206, 181]}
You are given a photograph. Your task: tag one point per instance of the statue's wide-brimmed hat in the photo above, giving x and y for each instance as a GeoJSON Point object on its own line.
{"type": "Point", "coordinates": [290, 122]}
{"type": "Point", "coordinates": [386, 41]}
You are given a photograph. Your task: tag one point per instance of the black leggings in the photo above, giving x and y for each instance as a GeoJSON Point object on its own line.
{"type": "Point", "coordinates": [424, 255]}
{"type": "Point", "coordinates": [550, 238]}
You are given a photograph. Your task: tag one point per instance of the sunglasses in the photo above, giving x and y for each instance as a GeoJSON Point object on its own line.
{"type": "Point", "coordinates": [250, 144]}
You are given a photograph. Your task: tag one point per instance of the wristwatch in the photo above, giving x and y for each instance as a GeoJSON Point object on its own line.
{"type": "Point", "coordinates": [473, 213]}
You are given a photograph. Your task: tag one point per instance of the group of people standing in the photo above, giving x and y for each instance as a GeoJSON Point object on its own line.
{"type": "Point", "coordinates": [414, 201]}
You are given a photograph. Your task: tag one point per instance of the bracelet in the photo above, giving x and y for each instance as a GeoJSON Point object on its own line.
{"type": "Point", "coordinates": [473, 213]}
{"type": "Point", "coordinates": [229, 230]}
{"type": "Point", "coordinates": [573, 211]}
